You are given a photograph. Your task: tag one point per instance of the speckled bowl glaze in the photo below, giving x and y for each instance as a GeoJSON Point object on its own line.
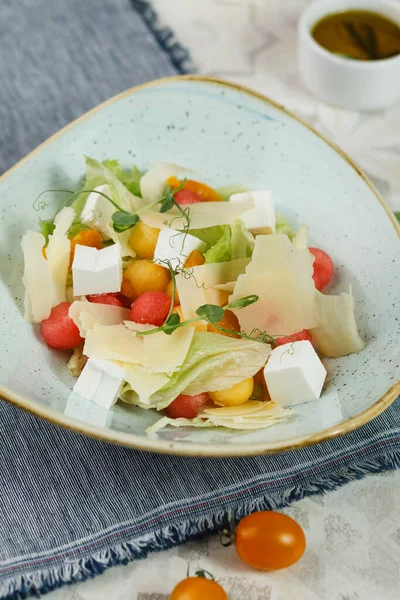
{"type": "Point", "coordinates": [227, 134]}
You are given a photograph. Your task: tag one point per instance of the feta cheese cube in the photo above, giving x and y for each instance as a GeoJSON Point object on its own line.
{"type": "Point", "coordinates": [261, 218]}
{"type": "Point", "coordinates": [175, 246]}
{"type": "Point", "coordinates": [98, 211]}
{"type": "Point", "coordinates": [96, 271]}
{"type": "Point", "coordinates": [100, 382]}
{"type": "Point", "coordinates": [294, 374]}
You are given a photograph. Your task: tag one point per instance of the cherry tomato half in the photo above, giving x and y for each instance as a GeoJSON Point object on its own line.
{"type": "Point", "coordinates": [269, 540]}
{"type": "Point", "coordinates": [198, 588]}
{"type": "Point", "coordinates": [323, 268]}
{"type": "Point", "coordinates": [186, 407]}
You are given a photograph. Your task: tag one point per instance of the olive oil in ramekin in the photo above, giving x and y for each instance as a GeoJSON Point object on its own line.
{"type": "Point", "coordinates": [358, 34]}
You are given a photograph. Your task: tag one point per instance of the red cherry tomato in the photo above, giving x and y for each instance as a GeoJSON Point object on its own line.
{"type": "Point", "coordinates": [198, 588]}
{"type": "Point", "coordinates": [151, 308]}
{"type": "Point", "coordinates": [269, 540]}
{"type": "Point", "coordinates": [295, 337]}
{"type": "Point", "coordinates": [186, 407]}
{"type": "Point", "coordinates": [323, 268]}
{"type": "Point", "coordinates": [111, 299]}
{"type": "Point", "coordinates": [187, 197]}
{"type": "Point", "coordinates": [58, 330]}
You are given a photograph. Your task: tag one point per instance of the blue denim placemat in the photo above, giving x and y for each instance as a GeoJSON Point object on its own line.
{"type": "Point", "coordinates": [71, 506]}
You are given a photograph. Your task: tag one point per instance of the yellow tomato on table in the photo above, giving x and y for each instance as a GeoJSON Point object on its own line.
{"type": "Point", "coordinates": [198, 588]}
{"type": "Point", "coordinates": [269, 540]}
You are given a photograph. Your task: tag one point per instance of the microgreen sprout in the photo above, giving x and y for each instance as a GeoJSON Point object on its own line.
{"type": "Point", "coordinates": [123, 219]}
{"type": "Point", "coordinates": [289, 351]}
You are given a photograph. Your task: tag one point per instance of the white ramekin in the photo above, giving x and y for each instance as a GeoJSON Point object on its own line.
{"type": "Point", "coordinates": [354, 84]}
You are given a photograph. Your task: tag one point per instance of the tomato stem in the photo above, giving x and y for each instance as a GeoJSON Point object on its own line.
{"type": "Point", "coordinates": [203, 573]}
{"type": "Point", "coordinates": [226, 537]}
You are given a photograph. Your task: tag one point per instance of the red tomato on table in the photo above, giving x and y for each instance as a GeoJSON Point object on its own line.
{"type": "Point", "coordinates": [58, 330]}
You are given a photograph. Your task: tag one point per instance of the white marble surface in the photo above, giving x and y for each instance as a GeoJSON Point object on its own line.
{"type": "Point", "coordinates": [353, 534]}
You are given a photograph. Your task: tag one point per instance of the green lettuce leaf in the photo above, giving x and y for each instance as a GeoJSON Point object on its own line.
{"type": "Point", "coordinates": [130, 179]}
{"type": "Point", "coordinates": [282, 226]}
{"type": "Point", "coordinates": [210, 235]}
{"type": "Point", "coordinates": [100, 174]}
{"type": "Point", "coordinates": [222, 250]}
{"type": "Point", "coordinates": [242, 242]}
{"type": "Point", "coordinates": [236, 242]}
{"type": "Point", "coordinates": [214, 362]}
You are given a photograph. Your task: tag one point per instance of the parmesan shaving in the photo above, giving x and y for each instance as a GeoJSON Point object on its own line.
{"type": "Point", "coordinates": [58, 255]}
{"type": "Point", "coordinates": [36, 278]}
{"type": "Point", "coordinates": [337, 333]}
{"type": "Point", "coordinates": [201, 215]}
{"type": "Point", "coordinates": [156, 353]}
{"type": "Point", "coordinates": [300, 240]}
{"type": "Point", "coordinates": [281, 276]}
{"type": "Point", "coordinates": [86, 315]}
{"type": "Point", "coordinates": [115, 342]}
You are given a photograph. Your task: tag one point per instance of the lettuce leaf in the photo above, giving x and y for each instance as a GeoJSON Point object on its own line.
{"type": "Point", "coordinates": [242, 243]}
{"type": "Point", "coordinates": [282, 226]}
{"type": "Point", "coordinates": [236, 242]}
{"type": "Point", "coordinates": [100, 174]}
{"type": "Point", "coordinates": [221, 251]}
{"type": "Point", "coordinates": [210, 235]}
{"type": "Point", "coordinates": [130, 178]}
{"type": "Point", "coordinates": [214, 362]}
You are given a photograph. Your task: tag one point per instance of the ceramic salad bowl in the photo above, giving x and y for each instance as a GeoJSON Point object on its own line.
{"type": "Point", "coordinates": [227, 134]}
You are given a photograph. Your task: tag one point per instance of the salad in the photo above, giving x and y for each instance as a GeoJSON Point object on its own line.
{"type": "Point", "coordinates": [202, 304]}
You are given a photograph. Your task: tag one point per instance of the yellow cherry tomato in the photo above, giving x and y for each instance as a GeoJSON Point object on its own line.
{"type": "Point", "coordinates": [198, 588]}
{"type": "Point", "coordinates": [235, 395]}
{"type": "Point", "coordinates": [143, 240]}
{"type": "Point", "coordinates": [269, 540]}
{"type": "Point", "coordinates": [146, 276]}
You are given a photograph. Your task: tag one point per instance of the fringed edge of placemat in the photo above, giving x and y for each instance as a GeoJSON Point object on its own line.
{"type": "Point", "coordinates": [46, 580]}
{"type": "Point", "coordinates": [178, 54]}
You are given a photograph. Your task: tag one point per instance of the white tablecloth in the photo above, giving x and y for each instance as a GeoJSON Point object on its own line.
{"type": "Point", "coordinates": [353, 534]}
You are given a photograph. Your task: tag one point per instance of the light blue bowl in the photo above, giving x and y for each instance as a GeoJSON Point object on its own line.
{"type": "Point", "coordinates": [227, 134]}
